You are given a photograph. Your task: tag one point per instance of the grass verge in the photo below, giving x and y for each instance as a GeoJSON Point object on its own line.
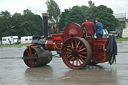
{"type": "Point", "coordinates": [16, 45]}
{"type": "Point", "coordinates": [122, 39]}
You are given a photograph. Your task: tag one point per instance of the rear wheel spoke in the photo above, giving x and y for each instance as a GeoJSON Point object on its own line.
{"type": "Point", "coordinates": [81, 49]}
{"type": "Point", "coordinates": [78, 44]}
{"type": "Point", "coordinates": [82, 56]}
{"type": "Point", "coordinates": [72, 45]}
{"type": "Point", "coordinates": [69, 50]}
{"type": "Point", "coordinates": [81, 46]}
{"type": "Point", "coordinates": [69, 56]}
{"type": "Point", "coordinates": [83, 52]}
{"type": "Point", "coordinates": [82, 59]}
{"type": "Point", "coordinates": [71, 59]}
{"type": "Point", "coordinates": [77, 61]}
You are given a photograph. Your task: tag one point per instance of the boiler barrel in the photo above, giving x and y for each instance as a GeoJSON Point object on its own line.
{"type": "Point", "coordinates": [53, 46]}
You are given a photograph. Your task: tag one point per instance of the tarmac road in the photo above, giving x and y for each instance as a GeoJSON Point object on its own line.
{"type": "Point", "coordinates": [13, 71]}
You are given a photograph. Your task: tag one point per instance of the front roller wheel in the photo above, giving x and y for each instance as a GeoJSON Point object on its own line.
{"type": "Point", "coordinates": [35, 56]}
{"type": "Point", "coordinates": [76, 52]}
{"type": "Point", "coordinates": [30, 62]}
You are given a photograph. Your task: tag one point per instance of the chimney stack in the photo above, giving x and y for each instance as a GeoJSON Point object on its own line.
{"type": "Point", "coordinates": [45, 24]}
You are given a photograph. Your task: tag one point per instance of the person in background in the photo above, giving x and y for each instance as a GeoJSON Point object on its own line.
{"type": "Point", "coordinates": [9, 41]}
{"type": "Point", "coordinates": [89, 26]}
{"type": "Point", "coordinates": [54, 29]}
{"type": "Point", "coordinates": [99, 28]}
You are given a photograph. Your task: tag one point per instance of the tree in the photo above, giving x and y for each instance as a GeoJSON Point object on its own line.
{"type": "Point", "coordinates": [16, 21]}
{"type": "Point", "coordinates": [72, 15]}
{"type": "Point", "coordinates": [27, 24]}
{"type": "Point", "coordinates": [75, 15]}
{"type": "Point", "coordinates": [1, 27]}
{"type": "Point", "coordinates": [29, 28]}
{"type": "Point", "coordinates": [5, 23]}
{"type": "Point", "coordinates": [53, 11]}
{"type": "Point", "coordinates": [84, 8]}
{"type": "Point", "coordinates": [31, 24]}
{"type": "Point", "coordinates": [105, 14]}
{"type": "Point", "coordinates": [92, 13]}
{"type": "Point", "coordinates": [91, 3]}
{"type": "Point", "coordinates": [63, 19]}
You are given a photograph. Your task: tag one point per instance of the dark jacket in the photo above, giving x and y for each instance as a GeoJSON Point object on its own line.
{"type": "Point", "coordinates": [112, 46]}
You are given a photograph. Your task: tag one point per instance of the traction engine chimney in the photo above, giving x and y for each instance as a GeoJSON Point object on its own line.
{"type": "Point", "coordinates": [45, 24]}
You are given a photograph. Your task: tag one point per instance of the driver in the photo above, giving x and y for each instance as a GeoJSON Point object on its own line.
{"type": "Point", "coordinates": [90, 27]}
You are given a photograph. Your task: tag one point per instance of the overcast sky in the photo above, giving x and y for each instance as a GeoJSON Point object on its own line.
{"type": "Point", "coordinates": [39, 6]}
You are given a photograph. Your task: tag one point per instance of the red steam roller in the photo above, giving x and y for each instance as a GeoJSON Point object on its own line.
{"type": "Point", "coordinates": [77, 49]}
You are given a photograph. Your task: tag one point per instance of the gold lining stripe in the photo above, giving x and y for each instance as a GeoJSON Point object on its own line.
{"type": "Point", "coordinates": [46, 44]}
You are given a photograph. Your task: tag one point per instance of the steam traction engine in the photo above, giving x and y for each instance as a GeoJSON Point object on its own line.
{"type": "Point", "coordinates": [77, 49]}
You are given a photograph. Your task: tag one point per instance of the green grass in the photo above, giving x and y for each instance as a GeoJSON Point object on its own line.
{"type": "Point", "coordinates": [122, 39]}
{"type": "Point", "coordinates": [16, 45]}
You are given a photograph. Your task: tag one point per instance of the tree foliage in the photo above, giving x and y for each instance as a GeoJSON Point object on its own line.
{"type": "Point", "coordinates": [53, 11]}
{"type": "Point", "coordinates": [5, 23]}
{"type": "Point", "coordinates": [27, 24]}
{"type": "Point", "coordinates": [84, 8]}
{"type": "Point", "coordinates": [76, 15]}
{"type": "Point", "coordinates": [32, 24]}
{"type": "Point", "coordinates": [73, 15]}
{"type": "Point", "coordinates": [63, 19]}
{"type": "Point", "coordinates": [105, 14]}
{"type": "Point", "coordinates": [91, 3]}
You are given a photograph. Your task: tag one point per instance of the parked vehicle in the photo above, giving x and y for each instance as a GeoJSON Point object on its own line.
{"type": "Point", "coordinates": [9, 40]}
{"type": "Point", "coordinates": [117, 32]}
{"type": "Point", "coordinates": [15, 39]}
{"type": "Point", "coordinates": [26, 39]}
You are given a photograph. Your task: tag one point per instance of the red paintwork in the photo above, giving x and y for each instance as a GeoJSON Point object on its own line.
{"type": "Point", "coordinates": [57, 37]}
{"type": "Point", "coordinates": [30, 51]}
{"type": "Point", "coordinates": [73, 30]}
{"type": "Point", "coordinates": [53, 46]}
{"type": "Point", "coordinates": [56, 42]}
{"type": "Point", "coordinates": [98, 49]}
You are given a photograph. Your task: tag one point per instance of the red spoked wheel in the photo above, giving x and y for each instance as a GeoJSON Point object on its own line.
{"type": "Point", "coordinates": [30, 62]}
{"type": "Point", "coordinates": [76, 52]}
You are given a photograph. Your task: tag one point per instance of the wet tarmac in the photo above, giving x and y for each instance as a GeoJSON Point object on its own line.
{"type": "Point", "coordinates": [13, 71]}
